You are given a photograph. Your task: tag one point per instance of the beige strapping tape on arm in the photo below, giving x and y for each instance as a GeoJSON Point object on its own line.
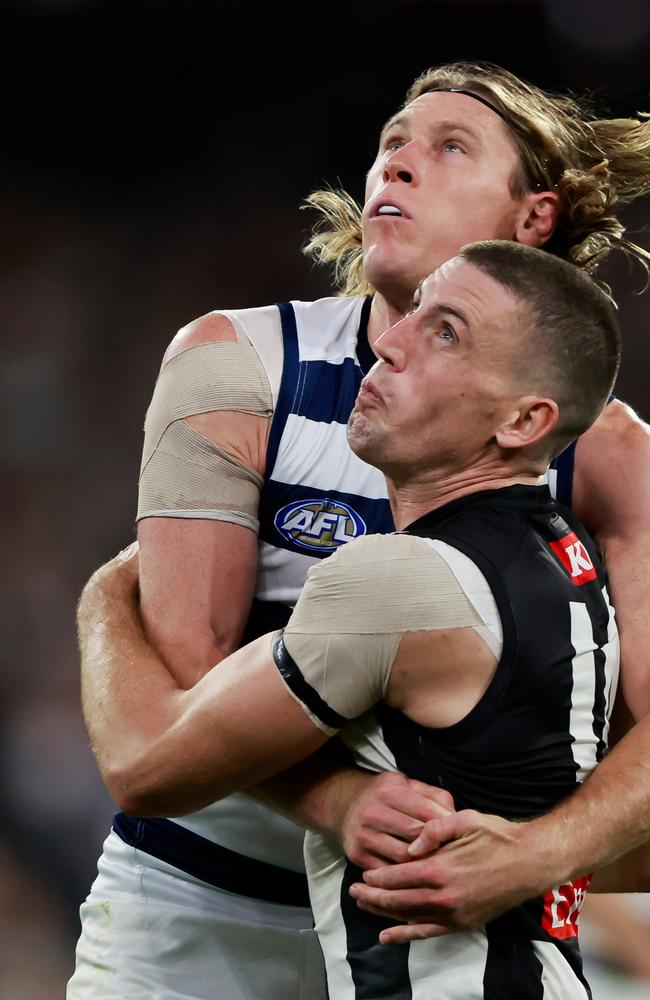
{"type": "Point", "coordinates": [183, 474]}
{"type": "Point", "coordinates": [356, 606]}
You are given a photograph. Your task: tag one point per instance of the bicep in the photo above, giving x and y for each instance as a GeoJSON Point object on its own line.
{"type": "Point", "coordinates": [612, 498]}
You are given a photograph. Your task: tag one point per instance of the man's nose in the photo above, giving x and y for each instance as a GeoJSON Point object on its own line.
{"type": "Point", "coordinates": [393, 345]}
{"type": "Point", "coordinates": [401, 164]}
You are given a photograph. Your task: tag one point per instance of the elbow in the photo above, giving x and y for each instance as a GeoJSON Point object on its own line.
{"type": "Point", "coordinates": [135, 787]}
{"type": "Point", "coordinates": [133, 799]}
{"type": "Point", "coordinates": [150, 786]}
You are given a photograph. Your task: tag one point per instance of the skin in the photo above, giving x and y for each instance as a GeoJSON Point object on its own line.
{"type": "Point", "coordinates": [447, 189]}
{"type": "Point", "coordinates": [215, 724]}
{"type": "Point", "coordinates": [447, 162]}
{"type": "Point", "coordinates": [198, 577]}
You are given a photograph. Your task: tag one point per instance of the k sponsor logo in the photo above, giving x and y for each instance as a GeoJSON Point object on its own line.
{"type": "Point", "coordinates": [320, 525]}
{"type": "Point", "coordinates": [575, 559]}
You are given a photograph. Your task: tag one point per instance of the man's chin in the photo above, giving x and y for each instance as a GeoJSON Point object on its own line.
{"type": "Point", "coordinates": [362, 443]}
{"type": "Point", "coordinates": [387, 270]}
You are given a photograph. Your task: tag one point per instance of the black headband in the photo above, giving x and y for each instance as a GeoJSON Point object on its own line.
{"type": "Point", "coordinates": [488, 104]}
{"type": "Point", "coordinates": [477, 97]}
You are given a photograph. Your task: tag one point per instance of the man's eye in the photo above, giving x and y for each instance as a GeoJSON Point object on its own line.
{"type": "Point", "coordinates": [446, 333]}
{"type": "Point", "coordinates": [393, 143]}
{"type": "Point", "coordinates": [451, 146]}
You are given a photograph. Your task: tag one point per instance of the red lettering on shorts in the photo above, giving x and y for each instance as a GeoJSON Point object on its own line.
{"type": "Point", "coordinates": [562, 907]}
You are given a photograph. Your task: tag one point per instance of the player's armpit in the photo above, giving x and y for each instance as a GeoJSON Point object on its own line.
{"type": "Point", "coordinates": [612, 497]}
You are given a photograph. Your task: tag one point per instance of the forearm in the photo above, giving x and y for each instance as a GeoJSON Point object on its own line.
{"type": "Point", "coordinates": [374, 816]}
{"type": "Point", "coordinates": [317, 792]}
{"type": "Point", "coordinates": [125, 709]}
{"type": "Point", "coordinates": [608, 816]}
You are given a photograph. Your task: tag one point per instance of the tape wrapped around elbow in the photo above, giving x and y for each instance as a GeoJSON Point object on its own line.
{"type": "Point", "coordinates": [183, 473]}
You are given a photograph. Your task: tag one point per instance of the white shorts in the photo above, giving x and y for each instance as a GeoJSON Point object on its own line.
{"type": "Point", "coordinates": [151, 932]}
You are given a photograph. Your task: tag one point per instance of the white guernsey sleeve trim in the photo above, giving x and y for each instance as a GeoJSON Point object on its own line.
{"type": "Point", "coordinates": [339, 646]}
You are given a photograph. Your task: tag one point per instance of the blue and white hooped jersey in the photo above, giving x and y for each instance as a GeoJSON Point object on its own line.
{"type": "Point", "coordinates": [318, 495]}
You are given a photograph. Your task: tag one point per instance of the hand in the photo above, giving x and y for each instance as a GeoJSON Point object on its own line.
{"type": "Point", "coordinates": [481, 871]}
{"type": "Point", "coordinates": [387, 813]}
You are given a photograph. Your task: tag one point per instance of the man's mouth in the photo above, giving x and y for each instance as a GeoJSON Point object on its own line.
{"type": "Point", "coordinates": [368, 394]}
{"type": "Point", "coordinates": [389, 210]}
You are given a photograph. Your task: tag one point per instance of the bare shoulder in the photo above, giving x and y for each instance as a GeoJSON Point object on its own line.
{"type": "Point", "coordinates": [211, 328]}
{"type": "Point", "coordinates": [617, 419]}
{"type": "Point", "coordinates": [612, 469]}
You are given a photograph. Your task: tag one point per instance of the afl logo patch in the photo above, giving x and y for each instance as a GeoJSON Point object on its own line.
{"type": "Point", "coordinates": [319, 525]}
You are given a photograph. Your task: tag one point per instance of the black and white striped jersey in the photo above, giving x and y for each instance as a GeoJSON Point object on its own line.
{"type": "Point", "coordinates": [537, 731]}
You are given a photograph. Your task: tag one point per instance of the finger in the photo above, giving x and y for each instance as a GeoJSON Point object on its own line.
{"type": "Point", "coordinates": [420, 806]}
{"type": "Point", "coordinates": [405, 916]}
{"type": "Point", "coordinates": [400, 805]}
{"type": "Point", "coordinates": [405, 904]}
{"type": "Point", "coordinates": [379, 851]}
{"type": "Point", "coordinates": [443, 829]}
{"type": "Point", "coordinates": [411, 875]}
{"type": "Point", "coordinates": [395, 820]}
{"type": "Point", "coordinates": [438, 796]}
{"type": "Point", "coordinates": [403, 933]}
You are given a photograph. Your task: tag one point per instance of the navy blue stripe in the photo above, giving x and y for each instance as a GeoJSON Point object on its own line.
{"type": "Point", "coordinates": [211, 862]}
{"type": "Point", "coordinates": [564, 464]}
{"type": "Point", "coordinates": [302, 689]}
{"type": "Point", "coordinates": [365, 354]}
{"type": "Point", "coordinates": [328, 391]}
{"type": "Point", "coordinates": [287, 385]}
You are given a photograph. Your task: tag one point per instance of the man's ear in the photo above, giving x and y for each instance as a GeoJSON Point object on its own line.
{"type": "Point", "coordinates": [538, 218]}
{"type": "Point", "coordinates": [530, 419]}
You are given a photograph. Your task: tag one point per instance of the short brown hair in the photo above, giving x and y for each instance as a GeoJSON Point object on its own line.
{"type": "Point", "coordinates": [573, 342]}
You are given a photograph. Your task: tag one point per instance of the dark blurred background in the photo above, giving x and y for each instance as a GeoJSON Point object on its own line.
{"type": "Point", "coordinates": [154, 157]}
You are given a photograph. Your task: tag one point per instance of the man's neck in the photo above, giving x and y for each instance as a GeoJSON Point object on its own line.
{"type": "Point", "coordinates": [411, 500]}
